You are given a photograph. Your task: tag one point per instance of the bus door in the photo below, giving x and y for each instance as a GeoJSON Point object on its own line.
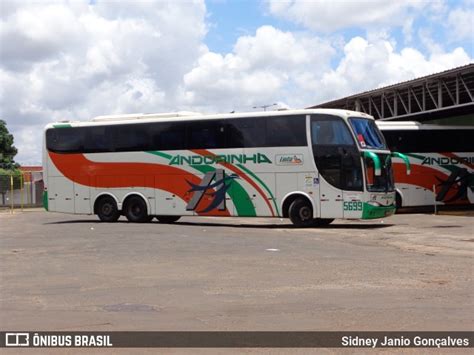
{"type": "Point", "coordinates": [330, 196]}
{"type": "Point", "coordinates": [338, 163]}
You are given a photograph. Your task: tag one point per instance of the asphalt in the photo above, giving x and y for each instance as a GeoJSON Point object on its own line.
{"type": "Point", "coordinates": [70, 272]}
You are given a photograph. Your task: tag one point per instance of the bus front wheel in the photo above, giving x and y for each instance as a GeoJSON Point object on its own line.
{"type": "Point", "coordinates": [398, 201]}
{"type": "Point", "coordinates": [167, 219]}
{"type": "Point", "coordinates": [135, 210]}
{"type": "Point", "coordinates": [322, 222]}
{"type": "Point", "coordinates": [301, 213]}
{"type": "Point", "coordinates": [107, 210]}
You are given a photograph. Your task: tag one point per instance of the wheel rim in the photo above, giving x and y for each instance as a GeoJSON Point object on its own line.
{"type": "Point", "coordinates": [305, 213]}
{"type": "Point", "coordinates": [107, 209]}
{"type": "Point", "coordinates": [135, 210]}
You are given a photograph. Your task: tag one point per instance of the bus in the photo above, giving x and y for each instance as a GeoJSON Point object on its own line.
{"type": "Point", "coordinates": [442, 161]}
{"type": "Point", "coordinates": [311, 166]}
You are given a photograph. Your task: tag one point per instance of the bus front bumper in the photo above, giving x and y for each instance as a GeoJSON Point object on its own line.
{"type": "Point", "coordinates": [371, 212]}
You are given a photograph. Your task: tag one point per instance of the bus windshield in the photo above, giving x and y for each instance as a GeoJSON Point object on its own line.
{"type": "Point", "coordinates": [383, 182]}
{"type": "Point", "coordinates": [367, 133]}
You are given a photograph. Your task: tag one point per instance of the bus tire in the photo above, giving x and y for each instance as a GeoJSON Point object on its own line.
{"type": "Point", "coordinates": [322, 222]}
{"type": "Point", "coordinates": [106, 209]}
{"type": "Point", "coordinates": [167, 219]}
{"type": "Point", "coordinates": [301, 213]}
{"type": "Point", "coordinates": [135, 210]}
{"type": "Point", "coordinates": [398, 201]}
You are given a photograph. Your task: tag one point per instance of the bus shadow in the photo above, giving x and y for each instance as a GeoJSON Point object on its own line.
{"type": "Point", "coordinates": [232, 225]}
{"type": "Point", "coordinates": [284, 226]}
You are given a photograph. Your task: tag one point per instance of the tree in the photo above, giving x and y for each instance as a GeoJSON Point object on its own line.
{"type": "Point", "coordinates": [8, 167]}
{"type": "Point", "coordinates": [7, 149]}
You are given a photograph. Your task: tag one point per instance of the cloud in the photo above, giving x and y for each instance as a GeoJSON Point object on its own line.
{"type": "Point", "coordinates": [376, 63]}
{"type": "Point", "coordinates": [328, 16]}
{"type": "Point", "coordinates": [74, 60]}
{"type": "Point", "coordinates": [461, 24]}
{"type": "Point", "coordinates": [261, 69]}
{"type": "Point", "coordinates": [296, 69]}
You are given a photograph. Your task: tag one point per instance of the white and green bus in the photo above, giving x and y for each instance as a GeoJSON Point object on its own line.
{"type": "Point", "coordinates": [311, 166]}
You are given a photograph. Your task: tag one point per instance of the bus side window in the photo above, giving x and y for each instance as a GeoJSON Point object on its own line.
{"type": "Point", "coordinates": [98, 139]}
{"type": "Point", "coordinates": [168, 136]}
{"type": "Point", "coordinates": [330, 132]}
{"type": "Point", "coordinates": [247, 132]}
{"type": "Point", "coordinates": [286, 131]}
{"type": "Point", "coordinates": [131, 137]}
{"type": "Point", "coordinates": [206, 135]}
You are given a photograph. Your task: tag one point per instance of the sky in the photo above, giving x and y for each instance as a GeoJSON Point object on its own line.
{"type": "Point", "coordinates": [74, 60]}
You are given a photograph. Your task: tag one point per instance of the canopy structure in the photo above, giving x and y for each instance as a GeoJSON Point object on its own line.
{"type": "Point", "coordinates": [446, 97]}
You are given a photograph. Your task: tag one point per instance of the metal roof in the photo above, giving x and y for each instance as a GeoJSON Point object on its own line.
{"type": "Point", "coordinates": [444, 93]}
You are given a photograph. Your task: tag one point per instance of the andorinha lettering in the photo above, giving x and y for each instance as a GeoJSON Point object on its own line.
{"type": "Point", "coordinates": [447, 160]}
{"type": "Point", "coordinates": [257, 158]}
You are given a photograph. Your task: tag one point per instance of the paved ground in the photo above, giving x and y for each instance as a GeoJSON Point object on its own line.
{"type": "Point", "coordinates": [66, 272]}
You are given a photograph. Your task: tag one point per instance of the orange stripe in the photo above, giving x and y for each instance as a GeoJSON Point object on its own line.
{"type": "Point", "coordinates": [240, 173]}
{"type": "Point", "coordinates": [78, 168]}
{"type": "Point", "coordinates": [423, 176]}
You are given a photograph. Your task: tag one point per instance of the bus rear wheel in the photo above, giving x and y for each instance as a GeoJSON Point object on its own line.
{"type": "Point", "coordinates": [301, 213]}
{"type": "Point", "coordinates": [135, 210]}
{"type": "Point", "coordinates": [167, 219]}
{"type": "Point", "coordinates": [107, 210]}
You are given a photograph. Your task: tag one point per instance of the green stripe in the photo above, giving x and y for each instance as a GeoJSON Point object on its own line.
{"type": "Point", "coordinates": [45, 200]}
{"type": "Point", "coordinates": [237, 193]}
{"type": "Point", "coordinates": [371, 212]}
{"type": "Point", "coordinates": [160, 154]}
{"type": "Point", "coordinates": [416, 156]}
{"type": "Point", "coordinates": [62, 125]}
{"type": "Point", "coordinates": [261, 183]}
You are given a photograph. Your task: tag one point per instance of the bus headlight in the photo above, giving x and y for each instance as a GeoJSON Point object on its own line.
{"type": "Point", "coordinates": [374, 203]}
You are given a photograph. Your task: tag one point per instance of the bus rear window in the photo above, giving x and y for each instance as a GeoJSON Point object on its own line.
{"type": "Point", "coordinates": [65, 140]}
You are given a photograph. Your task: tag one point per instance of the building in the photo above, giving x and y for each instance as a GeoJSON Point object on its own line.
{"type": "Point", "coordinates": [443, 98]}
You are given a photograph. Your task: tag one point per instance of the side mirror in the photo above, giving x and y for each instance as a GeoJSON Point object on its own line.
{"type": "Point", "coordinates": [405, 159]}
{"type": "Point", "coordinates": [376, 160]}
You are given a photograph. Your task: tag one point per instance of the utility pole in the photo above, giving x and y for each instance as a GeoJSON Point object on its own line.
{"type": "Point", "coordinates": [265, 106]}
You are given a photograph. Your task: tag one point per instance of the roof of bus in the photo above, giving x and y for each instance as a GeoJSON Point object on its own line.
{"type": "Point", "coordinates": [189, 116]}
{"type": "Point", "coordinates": [414, 125]}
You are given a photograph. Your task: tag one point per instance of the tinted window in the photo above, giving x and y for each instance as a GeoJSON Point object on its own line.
{"type": "Point", "coordinates": [167, 136]}
{"type": "Point", "coordinates": [383, 182]}
{"type": "Point", "coordinates": [97, 139]}
{"type": "Point", "coordinates": [286, 131]}
{"type": "Point", "coordinates": [335, 154]}
{"type": "Point", "coordinates": [247, 132]}
{"type": "Point", "coordinates": [251, 132]}
{"type": "Point", "coordinates": [426, 141]}
{"type": "Point", "coordinates": [327, 130]}
{"type": "Point", "coordinates": [64, 140]}
{"type": "Point", "coordinates": [206, 135]}
{"type": "Point", "coordinates": [134, 137]}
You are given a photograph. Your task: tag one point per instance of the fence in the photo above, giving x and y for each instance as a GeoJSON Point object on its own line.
{"type": "Point", "coordinates": [21, 190]}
